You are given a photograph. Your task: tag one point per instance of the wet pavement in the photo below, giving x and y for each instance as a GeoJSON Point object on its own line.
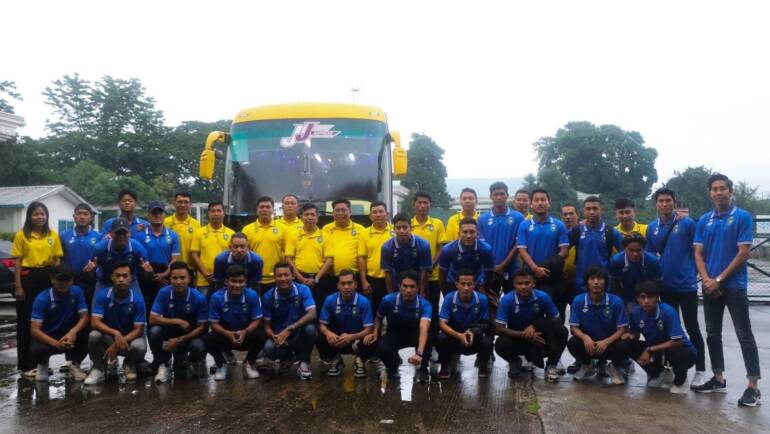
{"type": "Point", "coordinates": [345, 404]}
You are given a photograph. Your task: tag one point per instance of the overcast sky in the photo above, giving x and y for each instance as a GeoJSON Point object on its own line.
{"type": "Point", "coordinates": [484, 81]}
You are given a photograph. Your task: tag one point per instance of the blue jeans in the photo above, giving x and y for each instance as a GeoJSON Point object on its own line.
{"type": "Point", "coordinates": [737, 303]}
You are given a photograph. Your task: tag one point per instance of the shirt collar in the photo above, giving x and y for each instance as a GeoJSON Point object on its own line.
{"type": "Point", "coordinates": [51, 293]}
{"type": "Point", "coordinates": [416, 300]}
{"type": "Point", "coordinates": [460, 246]}
{"type": "Point", "coordinates": [412, 243]}
{"type": "Point", "coordinates": [340, 301]}
{"type": "Point", "coordinates": [731, 211]}
{"type": "Point", "coordinates": [148, 233]}
{"type": "Point", "coordinates": [629, 263]}
{"type": "Point", "coordinates": [532, 298]}
{"type": "Point", "coordinates": [128, 244]}
{"type": "Point", "coordinates": [548, 220]}
{"type": "Point", "coordinates": [294, 293]}
{"type": "Point", "coordinates": [111, 295]}
{"type": "Point", "coordinates": [187, 297]}
{"type": "Point", "coordinates": [230, 258]}
{"type": "Point", "coordinates": [605, 302]}
{"type": "Point", "coordinates": [227, 293]}
{"type": "Point", "coordinates": [474, 300]}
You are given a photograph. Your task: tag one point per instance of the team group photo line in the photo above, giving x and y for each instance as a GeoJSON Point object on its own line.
{"type": "Point", "coordinates": [492, 284]}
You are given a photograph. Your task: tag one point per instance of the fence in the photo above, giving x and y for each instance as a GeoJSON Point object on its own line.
{"type": "Point", "coordinates": [759, 261]}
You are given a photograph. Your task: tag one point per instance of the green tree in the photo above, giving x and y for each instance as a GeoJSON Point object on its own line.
{"type": "Point", "coordinates": [426, 172]}
{"type": "Point", "coordinates": [101, 186]}
{"type": "Point", "coordinates": [604, 160]}
{"type": "Point", "coordinates": [690, 186]}
{"type": "Point", "coordinates": [8, 90]}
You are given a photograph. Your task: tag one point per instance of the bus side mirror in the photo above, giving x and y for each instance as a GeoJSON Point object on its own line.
{"type": "Point", "coordinates": [399, 155]}
{"type": "Point", "coordinates": [208, 156]}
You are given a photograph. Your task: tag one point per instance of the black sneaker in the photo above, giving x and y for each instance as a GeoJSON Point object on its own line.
{"type": "Point", "coordinates": [711, 386]}
{"type": "Point", "coordinates": [514, 368]}
{"type": "Point", "coordinates": [423, 376]}
{"type": "Point", "coordinates": [571, 369]}
{"type": "Point", "coordinates": [750, 398]}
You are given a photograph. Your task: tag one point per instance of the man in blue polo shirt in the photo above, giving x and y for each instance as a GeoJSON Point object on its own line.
{"type": "Point", "coordinates": [78, 244]}
{"type": "Point", "coordinates": [498, 227]}
{"type": "Point", "coordinates": [118, 317]}
{"type": "Point", "coordinates": [60, 324]}
{"type": "Point", "coordinates": [594, 241]}
{"type": "Point", "coordinates": [408, 318]}
{"type": "Point", "coordinates": [344, 321]}
{"type": "Point", "coordinates": [597, 322]}
{"type": "Point", "coordinates": [119, 248]}
{"type": "Point", "coordinates": [632, 266]}
{"type": "Point", "coordinates": [670, 237]}
{"type": "Point", "coordinates": [239, 254]}
{"type": "Point", "coordinates": [127, 204]}
{"type": "Point", "coordinates": [663, 338]}
{"type": "Point", "coordinates": [235, 313]}
{"type": "Point", "coordinates": [467, 252]}
{"type": "Point", "coordinates": [722, 242]}
{"type": "Point", "coordinates": [290, 314]}
{"type": "Point", "coordinates": [405, 251]}
{"type": "Point", "coordinates": [177, 323]}
{"type": "Point", "coordinates": [528, 324]}
{"type": "Point", "coordinates": [465, 327]}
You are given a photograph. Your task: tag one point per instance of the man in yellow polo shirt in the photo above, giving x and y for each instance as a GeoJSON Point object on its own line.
{"type": "Point", "coordinates": [290, 221]}
{"type": "Point", "coordinates": [206, 244]}
{"type": "Point", "coordinates": [267, 239]}
{"type": "Point", "coordinates": [369, 248]}
{"type": "Point", "coordinates": [183, 224]}
{"type": "Point", "coordinates": [468, 201]}
{"type": "Point", "coordinates": [343, 235]}
{"type": "Point", "coordinates": [306, 252]}
{"type": "Point", "coordinates": [625, 213]}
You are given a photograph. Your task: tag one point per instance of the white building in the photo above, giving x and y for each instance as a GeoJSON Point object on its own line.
{"type": "Point", "coordinates": [8, 125]}
{"type": "Point", "coordinates": [481, 185]}
{"type": "Point", "coordinates": [59, 199]}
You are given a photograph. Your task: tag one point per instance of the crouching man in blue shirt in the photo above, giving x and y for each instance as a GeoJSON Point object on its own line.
{"type": "Point", "coordinates": [465, 327]}
{"type": "Point", "coordinates": [59, 324]}
{"type": "Point", "coordinates": [346, 318]}
{"type": "Point", "coordinates": [528, 323]}
{"type": "Point", "coordinates": [597, 322]}
{"type": "Point", "coordinates": [408, 318]}
{"type": "Point", "coordinates": [663, 338]}
{"type": "Point", "coordinates": [290, 315]}
{"type": "Point", "coordinates": [235, 313]}
{"type": "Point", "coordinates": [177, 322]}
{"type": "Point", "coordinates": [118, 317]}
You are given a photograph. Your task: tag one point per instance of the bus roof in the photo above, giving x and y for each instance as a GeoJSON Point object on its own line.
{"type": "Point", "coordinates": [310, 110]}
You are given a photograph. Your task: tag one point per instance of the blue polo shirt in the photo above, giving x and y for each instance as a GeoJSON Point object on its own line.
{"type": "Point", "coordinates": [599, 321]}
{"type": "Point", "coordinates": [677, 263]}
{"type": "Point", "coordinates": [119, 314]}
{"type": "Point", "coordinates": [79, 249]}
{"type": "Point", "coordinates": [660, 326]}
{"type": "Point", "coordinates": [107, 257]}
{"type": "Point", "coordinates": [517, 314]}
{"type": "Point", "coordinates": [542, 239]}
{"type": "Point", "coordinates": [235, 313]}
{"type": "Point", "coordinates": [402, 317]}
{"type": "Point", "coordinates": [720, 236]}
{"type": "Point", "coordinates": [58, 313]}
{"type": "Point", "coordinates": [629, 274]}
{"type": "Point", "coordinates": [191, 306]}
{"type": "Point", "coordinates": [454, 257]}
{"type": "Point", "coordinates": [499, 231]}
{"type": "Point", "coordinates": [282, 310]}
{"type": "Point", "coordinates": [137, 226]}
{"type": "Point", "coordinates": [349, 317]}
{"type": "Point", "coordinates": [252, 263]}
{"type": "Point", "coordinates": [160, 248]}
{"type": "Point", "coordinates": [413, 255]}
{"type": "Point", "coordinates": [461, 316]}
{"type": "Point", "coordinates": [592, 250]}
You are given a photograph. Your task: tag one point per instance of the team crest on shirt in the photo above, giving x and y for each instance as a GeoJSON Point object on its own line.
{"type": "Point", "coordinates": [93, 241]}
{"type": "Point", "coordinates": [607, 311]}
{"type": "Point", "coordinates": [50, 241]}
{"type": "Point", "coordinates": [188, 308]}
{"type": "Point", "coordinates": [553, 227]}
{"type": "Point", "coordinates": [245, 308]}
{"type": "Point", "coordinates": [430, 227]}
{"type": "Point", "coordinates": [224, 237]}
{"type": "Point", "coordinates": [531, 228]}
{"type": "Point", "coordinates": [476, 309]}
{"type": "Point", "coordinates": [353, 311]}
{"type": "Point", "coordinates": [53, 305]}
{"type": "Point", "coordinates": [168, 239]}
{"type": "Point", "coordinates": [225, 308]}
{"type": "Point", "coordinates": [130, 309]}
{"type": "Point", "coordinates": [147, 239]}
{"type": "Point", "coordinates": [319, 239]}
{"type": "Point", "coordinates": [729, 220]}
{"type": "Point", "coordinates": [275, 231]}
{"type": "Point", "coordinates": [676, 229]}
{"type": "Point", "coordinates": [536, 308]}
{"type": "Point", "coordinates": [297, 301]}
{"type": "Point", "coordinates": [416, 314]}
{"type": "Point", "coordinates": [510, 220]}
{"type": "Point", "coordinates": [517, 309]}
{"type": "Point", "coordinates": [353, 232]}
{"type": "Point", "coordinates": [660, 324]}
{"type": "Point", "coordinates": [190, 229]}
{"type": "Point", "coordinates": [490, 222]}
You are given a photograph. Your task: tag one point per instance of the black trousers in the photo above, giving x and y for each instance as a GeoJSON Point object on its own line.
{"type": "Point", "coordinates": [42, 352]}
{"type": "Point", "coordinates": [687, 302]}
{"type": "Point", "coordinates": [35, 281]}
{"type": "Point", "coordinates": [327, 352]}
{"type": "Point", "coordinates": [448, 346]}
{"type": "Point", "coordinates": [395, 339]}
{"type": "Point", "coordinates": [680, 358]}
{"type": "Point", "coordinates": [321, 289]}
{"type": "Point", "coordinates": [300, 344]}
{"type": "Point", "coordinates": [216, 344]}
{"type": "Point", "coordinates": [555, 336]}
{"type": "Point", "coordinates": [150, 287]}
{"type": "Point", "coordinates": [379, 290]}
{"type": "Point", "coordinates": [499, 284]}
{"type": "Point", "coordinates": [617, 352]}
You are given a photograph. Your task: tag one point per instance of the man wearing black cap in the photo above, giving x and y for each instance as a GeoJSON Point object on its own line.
{"type": "Point", "coordinates": [119, 248]}
{"type": "Point", "coordinates": [59, 324]}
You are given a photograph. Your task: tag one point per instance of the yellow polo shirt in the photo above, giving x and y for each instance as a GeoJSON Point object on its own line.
{"type": "Point", "coordinates": [453, 226]}
{"type": "Point", "coordinates": [370, 246]}
{"type": "Point", "coordinates": [638, 227]}
{"type": "Point", "coordinates": [37, 251]}
{"type": "Point", "coordinates": [291, 227]}
{"type": "Point", "coordinates": [186, 230]}
{"type": "Point", "coordinates": [433, 232]}
{"type": "Point", "coordinates": [269, 242]}
{"type": "Point", "coordinates": [308, 250]}
{"type": "Point", "coordinates": [208, 242]}
{"type": "Point", "coordinates": [343, 245]}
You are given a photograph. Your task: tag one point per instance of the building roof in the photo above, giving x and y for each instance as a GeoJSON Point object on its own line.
{"type": "Point", "coordinates": [21, 197]}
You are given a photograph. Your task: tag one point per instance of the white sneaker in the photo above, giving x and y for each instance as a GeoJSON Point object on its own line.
{"type": "Point", "coordinates": [359, 369]}
{"type": "Point", "coordinates": [560, 368]}
{"type": "Point", "coordinates": [251, 371]}
{"type": "Point", "coordinates": [304, 371]}
{"type": "Point", "coordinates": [76, 373]}
{"type": "Point", "coordinates": [668, 375]}
{"type": "Point", "coordinates": [42, 373]}
{"type": "Point", "coordinates": [584, 372]}
{"type": "Point", "coordinates": [615, 376]}
{"type": "Point", "coordinates": [129, 371]}
{"type": "Point", "coordinates": [335, 366]}
{"type": "Point", "coordinates": [679, 390]}
{"type": "Point", "coordinates": [526, 365]}
{"type": "Point", "coordinates": [163, 375]}
{"type": "Point", "coordinates": [699, 379]}
{"type": "Point", "coordinates": [94, 377]}
{"type": "Point", "coordinates": [221, 373]}
{"type": "Point", "coordinates": [32, 373]}
{"type": "Point", "coordinates": [658, 382]}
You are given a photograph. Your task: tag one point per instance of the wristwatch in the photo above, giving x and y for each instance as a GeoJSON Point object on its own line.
{"type": "Point", "coordinates": [718, 279]}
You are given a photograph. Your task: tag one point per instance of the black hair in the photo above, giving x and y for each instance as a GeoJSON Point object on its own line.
{"type": "Point", "coordinates": [521, 190]}
{"type": "Point", "coordinates": [84, 206]}
{"type": "Point", "coordinates": [126, 191]}
{"type": "Point", "coordinates": [409, 274]}
{"type": "Point", "coordinates": [422, 194]}
{"type": "Point", "coordinates": [624, 203]}
{"type": "Point", "coordinates": [215, 203]}
{"type": "Point", "coordinates": [469, 190]}
{"type": "Point", "coordinates": [596, 271]}
{"type": "Point", "coordinates": [122, 264]}
{"type": "Point", "coordinates": [239, 235]}
{"type": "Point", "coordinates": [347, 272]}
{"type": "Point", "coordinates": [524, 272]}
{"type": "Point", "coordinates": [663, 191]}
{"type": "Point", "coordinates": [720, 177]}
{"type": "Point", "coordinates": [378, 203]}
{"type": "Point", "coordinates": [540, 190]}
{"type": "Point", "coordinates": [179, 265]}
{"type": "Point", "coordinates": [235, 270]}
{"type": "Point", "coordinates": [27, 229]}
{"type": "Point", "coordinates": [308, 206]}
{"type": "Point", "coordinates": [283, 264]}
{"type": "Point", "coordinates": [499, 185]}
{"type": "Point", "coordinates": [265, 199]}
{"type": "Point", "coordinates": [183, 194]}
{"type": "Point", "coordinates": [633, 237]}
{"type": "Point", "coordinates": [290, 195]}
{"type": "Point", "coordinates": [647, 287]}
{"type": "Point", "coordinates": [570, 204]}
{"type": "Point", "coordinates": [465, 272]}
{"type": "Point", "coordinates": [592, 199]}
{"type": "Point", "coordinates": [339, 201]}
{"type": "Point", "coordinates": [467, 221]}
{"type": "Point", "coordinates": [401, 217]}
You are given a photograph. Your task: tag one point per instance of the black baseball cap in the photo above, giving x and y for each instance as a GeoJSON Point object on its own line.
{"type": "Point", "coordinates": [62, 273]}
{"type": "Point", "coordinates": [120, 225]}
{"type": "Point", "coordinates": [155, 205]}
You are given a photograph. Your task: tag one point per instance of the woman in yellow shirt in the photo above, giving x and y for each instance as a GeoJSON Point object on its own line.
{"type": "Point", "coordinates": [36, 248]}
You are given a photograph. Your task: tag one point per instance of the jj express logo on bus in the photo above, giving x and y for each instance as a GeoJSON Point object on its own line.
{"type": "Point", "coordinates": [308, 130]}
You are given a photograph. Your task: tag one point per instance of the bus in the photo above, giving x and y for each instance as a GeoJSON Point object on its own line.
{"type": "Point", "coordinates": [317, 151]}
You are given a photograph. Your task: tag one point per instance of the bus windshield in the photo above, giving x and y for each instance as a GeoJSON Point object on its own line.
{"type": "Point", "coordinates": [316, 160]}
